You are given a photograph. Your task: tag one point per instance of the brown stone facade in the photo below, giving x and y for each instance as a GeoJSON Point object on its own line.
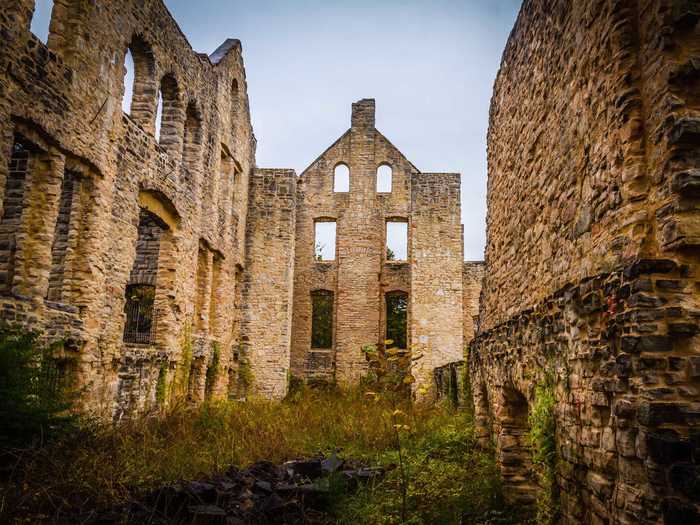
{"type": "Point", "coordinates": [361, 277]}
{"type": "Point", "coordinates": [123, 245]}
{"type": "Point", "coordinates": [591, 279]}
{"type": "Point", "coordinates": [163, 258]}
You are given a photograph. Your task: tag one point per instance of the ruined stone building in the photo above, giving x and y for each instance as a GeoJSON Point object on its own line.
{"type": "Point", "coordinates": [150, 245]}
{"type": "Point", "coordinates": [592, 261]}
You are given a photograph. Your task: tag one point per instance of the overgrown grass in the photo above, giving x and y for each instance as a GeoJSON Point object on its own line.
{"type": "Point", "coordinates": [451, 481]}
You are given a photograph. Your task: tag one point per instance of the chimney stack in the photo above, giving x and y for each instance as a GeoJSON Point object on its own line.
{"type": "Point", "coordinates": [363, 113]}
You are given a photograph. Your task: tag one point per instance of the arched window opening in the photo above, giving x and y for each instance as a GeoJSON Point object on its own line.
{"type": "Point", "coordinates": [397, 319]}
{"type": "Point", "coordinates": [159, 115]}
{"type": "Point", "coordinates": [191, 143]}
{"type": "Point", "coordinates": [384, 173]}
{"type": "Point", "coordinates": [140, 326]}
{"type": "Point", "coordinates": [202, 279]}
{"type": "Point", "coordinates": [129, 76]}
{"type": "Point", "coordinates": [322, 319]}
{"type": "Point", "coordinates": [324, 240]}
{"type": "Point", "coordinates": [168, 114]}
{"type": "Point", "coordinates": [139, 83]}
{"type": "Point", "coordinates": [341, 179]}
{"type": "Point", "coordinates": [396, 240]}
{"type": "Point", "coordinates": [41, 20]}
{"type": "Point", "coordinates": [513, 448]}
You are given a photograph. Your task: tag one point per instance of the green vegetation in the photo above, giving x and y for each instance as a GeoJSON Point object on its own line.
{"type": "Point", "coordinates": [544, 455]}
{"type": "Point", "coordinates": [34, 392]}
{"type": "Point", "coordinates": [448, 478]}
{"type": "Point", "coordinates": [435, 473]}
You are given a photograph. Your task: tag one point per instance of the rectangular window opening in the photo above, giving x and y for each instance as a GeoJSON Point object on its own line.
{"type": "Point", "coordinates": [140, 326]}
{"type": "Point", "coordinates": [396, 241]}
{"type": "Point", "coordinates": [214, 298]}
{"type": "Point", "coordinates": [322, 319]}
{"type": "Point", "coordinates": [13, 207]}
{"type": "Point", "coordinates": [202, 277]}
{"type": "Point", "coordinates": [324, 241]}
{"type": "Point", "coordinates": [61, 238]}
{"type": "Point", "coordinates": [396, 319]}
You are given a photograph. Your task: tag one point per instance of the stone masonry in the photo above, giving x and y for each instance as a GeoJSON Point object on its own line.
{"type": "Point", "coordinates": [160, 255]}
{"type": "Point", "coordinates": [96, 209]}
{"type": "Point", "coordinates": [361, 276]}
{"type": "Point", "coordinates": [592, 268]}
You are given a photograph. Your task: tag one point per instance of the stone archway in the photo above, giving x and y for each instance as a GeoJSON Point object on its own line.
{"type": "Point", "coordinates": [513, 451]}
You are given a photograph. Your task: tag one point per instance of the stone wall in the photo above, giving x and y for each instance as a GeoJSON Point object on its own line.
{"type": "Point", "coordinates": [437, 316]}
{"type": "Point", "coordinates": [361, 275]}
{"type": "Point", "coordinates": [267, 288]}
{"type": "Point", "coordinates": [591, 258]}
{"type": "Point", "coordinates": [472, 276]}
{"type": "Point", "coordinates": [132, 241]}
{"type": "Point", "coordinates": [76, 172]}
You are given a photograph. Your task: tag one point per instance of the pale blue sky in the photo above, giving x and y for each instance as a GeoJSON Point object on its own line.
{"type": "Point", "coordinates": [430, 65]}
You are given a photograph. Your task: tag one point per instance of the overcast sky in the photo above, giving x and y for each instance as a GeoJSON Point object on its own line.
{"type": "Point", "coordinates": [430, 65]}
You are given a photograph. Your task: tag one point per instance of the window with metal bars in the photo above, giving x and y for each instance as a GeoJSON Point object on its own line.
{"type": "Point", "coordinates": [140, 326]}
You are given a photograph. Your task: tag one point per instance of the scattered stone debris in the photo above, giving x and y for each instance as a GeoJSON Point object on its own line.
{"type": "Point", "coordinates": [296, 492]}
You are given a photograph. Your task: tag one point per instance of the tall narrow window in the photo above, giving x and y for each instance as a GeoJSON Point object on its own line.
{"type": "Point", "coordinates": [139, 83]}
{"type": "Point", "coordinates": [214, 297]}
{"type": "Point", "coordinates": [42, 19]}
{"type": "Point", "coordinates": [227, 179]}
{"type": "Point", "coordinates": [61, 238]}
{"type": "Point", "coordinates": [129, 76]}
{"type": "Point", "coordinates": [191, 144]}
{"type": "Point", "coordinates": [140, 326]}
{"type": "Point", "coordinates": [159, 115]}
{"type": "Point", "coordinates": [12, 208]}
{"type": "Point", "coordinates": [384, 179]}
{"type": "Point", "coordinates": [322, 319]}
{"type": "Point", "coordinates": [201, 287]}
{"type": "Point", "coordinates": [396, 241]}
{"type": "Point", "coordinates": [396, 319]}
{"type": "Point", "coordinates": [341, 178]}
{"type": "Point", "coordinates": [324, 241]}
{"type": "Point", "coordinates": [168, 112]}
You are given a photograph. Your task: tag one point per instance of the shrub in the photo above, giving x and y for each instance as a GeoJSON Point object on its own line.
{"type": "Point", "coordinates": [34, 398]}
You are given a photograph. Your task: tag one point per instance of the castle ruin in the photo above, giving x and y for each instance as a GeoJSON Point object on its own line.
{"type": "Point", "coordinates": [165, 261]}
{"type": "Point", "coordinates": [150, 244]}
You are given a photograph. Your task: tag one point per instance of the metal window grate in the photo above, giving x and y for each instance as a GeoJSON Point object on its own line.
{"type": "Point", "coordinates": [140, 324]}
